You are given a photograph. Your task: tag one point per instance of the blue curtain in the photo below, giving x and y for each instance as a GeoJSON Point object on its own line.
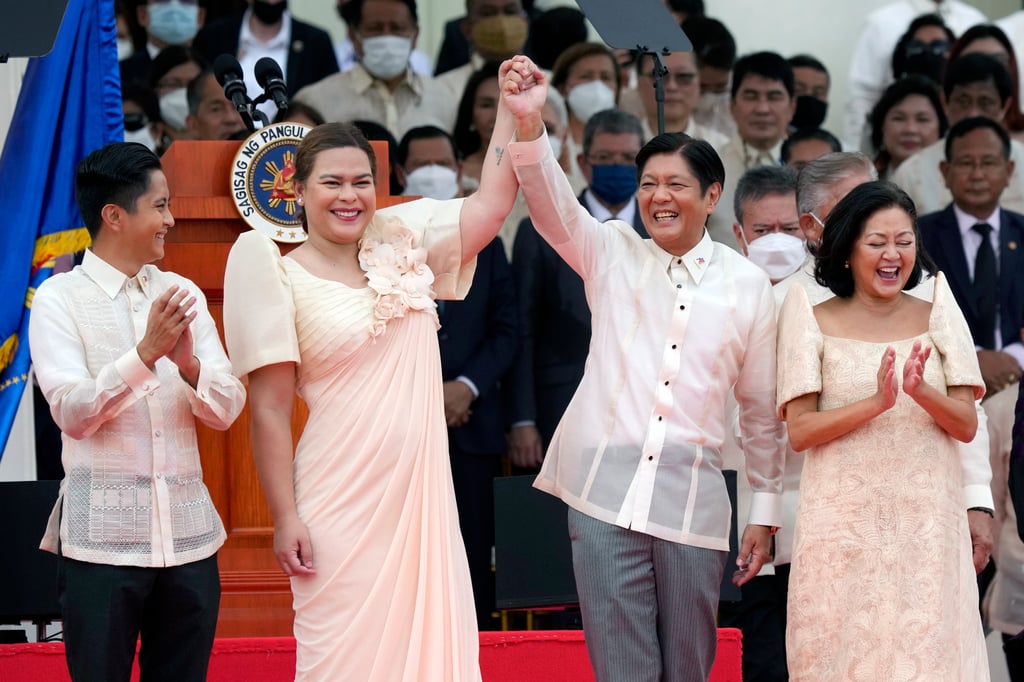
{"type": "Point", "coordinates": [69, 105]}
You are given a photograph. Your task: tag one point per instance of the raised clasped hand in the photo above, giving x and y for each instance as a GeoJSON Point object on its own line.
{"type": "Point", "coordinates": [913, 368]}
{"type": "Point", "coordinates": [887, 386]}
{"type": "Point", "coordinates": [524, 86]}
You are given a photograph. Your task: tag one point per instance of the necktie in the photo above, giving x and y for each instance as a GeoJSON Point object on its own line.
{"type": "Point", "coordinates": [986, 288]}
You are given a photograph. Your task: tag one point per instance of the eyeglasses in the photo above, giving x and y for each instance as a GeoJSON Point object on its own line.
{"type": "Point", "coordinates": [987, 165]}
{"type": "Point", "coordinates": [608, 158]}
{"type": "Point", "coordinates": [682, 79]}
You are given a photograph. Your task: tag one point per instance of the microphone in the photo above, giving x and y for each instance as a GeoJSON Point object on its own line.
{"type": "Point", "coordinates": [268, 75]}
{"type": "Point", "coordinates": [229, 74]}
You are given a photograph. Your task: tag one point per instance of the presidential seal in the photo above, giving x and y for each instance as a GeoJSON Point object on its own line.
{"type": "Point", "coordinates": [262, 177]}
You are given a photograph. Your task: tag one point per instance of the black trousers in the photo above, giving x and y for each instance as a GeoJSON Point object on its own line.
{"type": "Point", "coordinates": [473, 477]}
{"type": "Point", "coordinates": [106, 609]}
{"type": "Point", "coordinates": [761, 615]}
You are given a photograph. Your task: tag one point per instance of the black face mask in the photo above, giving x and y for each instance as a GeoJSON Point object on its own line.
{"type": "Point", "coordinates": [925, 59]}
{"type": "Point", "coordinates": [267, 13]}
{"type": "Point", "coordinates": [810, 112]}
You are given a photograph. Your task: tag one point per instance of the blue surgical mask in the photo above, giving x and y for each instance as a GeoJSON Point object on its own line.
{"type": "Point", "coordinates": [173, 22]}
{"type": "Point", "coordinates": [613, 183]}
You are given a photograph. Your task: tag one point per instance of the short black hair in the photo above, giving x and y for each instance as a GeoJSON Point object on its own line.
{"type": "Point", "coordinates": [194, 91]}
{"type": "Point", "coordinates": [352, 12]}
{"type": "Point", "coordinates": [804, 134]}
{"type": "Point", "coordinates": [768, 65]}
{"type": "Point", "coordinates": [423, 133]}
{"type": "Point", "coordinates": [171, 57]}
{"type": "Point", "coordinates": [763, 181]}
{"type": "Point", "coordinates": [968, 125]}
{"type": "Point", "coordinates": [467, 138]}
{"type": "Point", "coordinates": [977, 68]}
{"type": "Point", "coordinates": [554, 31]}
{"type": "Point", "coordinates": [701, 157]}
{"type": "Point", "coordinates": [844, 226]}
{"type": "Point", "coordinates": [614, 121]}
{"type": "Point", "coordinates": [118, 174]}
{"type": "Point", "coordinates": [899, 53]}
{"type": "Point", "coordinates": [713, 44]}
{"type": "Point", "coordinates": [806, 61]}
{"type": "Point", "coordinates": [913, 84]}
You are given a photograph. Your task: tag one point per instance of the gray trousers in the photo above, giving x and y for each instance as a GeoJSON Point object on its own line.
{"type": "Point", "coordinates": [648, 605]}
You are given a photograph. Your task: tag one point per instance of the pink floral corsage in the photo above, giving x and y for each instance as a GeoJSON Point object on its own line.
{"type": "Point", "coordinates": [397, 271]}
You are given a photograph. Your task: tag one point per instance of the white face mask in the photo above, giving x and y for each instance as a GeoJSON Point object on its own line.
{"type": "Point", "coordinates": [386, 56]}
{"type": "Point", "coordinates": [174, 22]}
{"type": "Point", "coordinates": [710, 106]}
{"type": "Point", "coordinates": [586, 99]}
{"type": "Point", "coordinates": [125, 48]}
{"type": "Point", "coordinates": [778, 254]}
{"type": "Point", "coordinates": [433, 181]}
{"type": "Point", "coordinates": [174, 108]}
{"type": "Point", "coordinates": [556, 146]}
{"type": "Point", "coordinates": [142, 136]}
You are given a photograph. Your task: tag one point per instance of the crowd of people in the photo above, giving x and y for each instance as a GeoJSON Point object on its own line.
{"type": "Point", "coordinates": [622, 308]}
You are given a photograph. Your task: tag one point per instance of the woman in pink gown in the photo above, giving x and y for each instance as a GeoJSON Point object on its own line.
{"type": "Point", "coordinates": [365, 521]}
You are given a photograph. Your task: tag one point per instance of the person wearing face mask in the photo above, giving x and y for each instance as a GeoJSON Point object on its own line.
{"type": "Point", "coordinates": [768, 232]}
{"type": "Point", "coordinates": [870, 64]}
{"type": "Point", "coordinates": [345, 52]}
{"type": "Point", "coordinates": [382, 88]}
{"type": "Point", "coordinates": [479, 339]}
{"type": "Point", "coordinates": [767, 224]}
{"type": "Point", "coordinates": [811, 86]}
{"type": "Point", "coordinates": [268, 29]}
{"type": "Point", "coordinates": [715, 50]}
{"type": "Point", "coordinates": [496, 30]}
{"type": "Point", "coordinates": [142, 122]}
{"type": "Point", "coordinates": [552, 300]}
{"type": "Point", "coordinates": [166, 23]}
{"type": "Point", "coordinates": [587, 76]}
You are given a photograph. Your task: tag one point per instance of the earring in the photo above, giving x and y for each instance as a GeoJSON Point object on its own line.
{"type": "Point", "coordinates": [299, 201]}
{"type": "Point", "coordinates": [846, 265]}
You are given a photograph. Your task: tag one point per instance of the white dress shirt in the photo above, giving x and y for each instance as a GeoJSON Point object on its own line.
{"type": "Point", "coordinates": [639, 444]}
{"type": "Point", "coordinates": [357, 95]}
{"type": "Point", "coordinates": [871, 62]}
{"type": "Point", "coordinates": [251, 49]}
{"type": "Point", "coordinates": [971, 241]}
{"type": "Point", "coordinates": [133, 491]}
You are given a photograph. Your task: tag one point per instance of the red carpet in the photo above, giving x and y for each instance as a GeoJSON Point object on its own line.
{"type": "Point", "coordinates": [535, 656]}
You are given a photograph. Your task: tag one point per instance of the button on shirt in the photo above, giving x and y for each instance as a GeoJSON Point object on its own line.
{"type": "Point", "coordinates": [639, 445]}
{"type": "Point", "coordinates": [133, 492]}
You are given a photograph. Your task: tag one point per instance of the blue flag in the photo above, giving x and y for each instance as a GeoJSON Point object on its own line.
{"type": "Point", "coordinates": [70, 104]}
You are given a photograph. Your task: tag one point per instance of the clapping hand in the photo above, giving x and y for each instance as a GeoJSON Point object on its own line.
{"type": "Point", "coordinates": [913, 369]}
{"type": "Point", "coordinates": [887, 388]}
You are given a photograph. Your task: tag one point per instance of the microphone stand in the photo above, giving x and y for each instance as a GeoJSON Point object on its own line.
{"type": "Point", "coordinates": [658, 73]}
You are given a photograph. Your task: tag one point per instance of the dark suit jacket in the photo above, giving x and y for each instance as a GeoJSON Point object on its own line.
{"type": "Point", "coordinates": [310, 53]}
{"type": "Point", "coordinates": [479, 337]}
{"type": "Point", "coordinates": [1017, 462]}
{"type": "Point", "coordinates": [940, 235]}
{"type": "Point", "coordinates": [555, 321]}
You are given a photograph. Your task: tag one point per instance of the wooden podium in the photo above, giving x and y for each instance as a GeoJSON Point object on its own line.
{"type": "Point", "coordinates": [256, 596]}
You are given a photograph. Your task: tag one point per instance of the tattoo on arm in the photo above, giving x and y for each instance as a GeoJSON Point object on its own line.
{"type": "Point", "coordinates": [498, 151]}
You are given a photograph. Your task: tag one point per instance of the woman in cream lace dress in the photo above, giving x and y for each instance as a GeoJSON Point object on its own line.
{"type": "Point", "coordinates": [878, 386]}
